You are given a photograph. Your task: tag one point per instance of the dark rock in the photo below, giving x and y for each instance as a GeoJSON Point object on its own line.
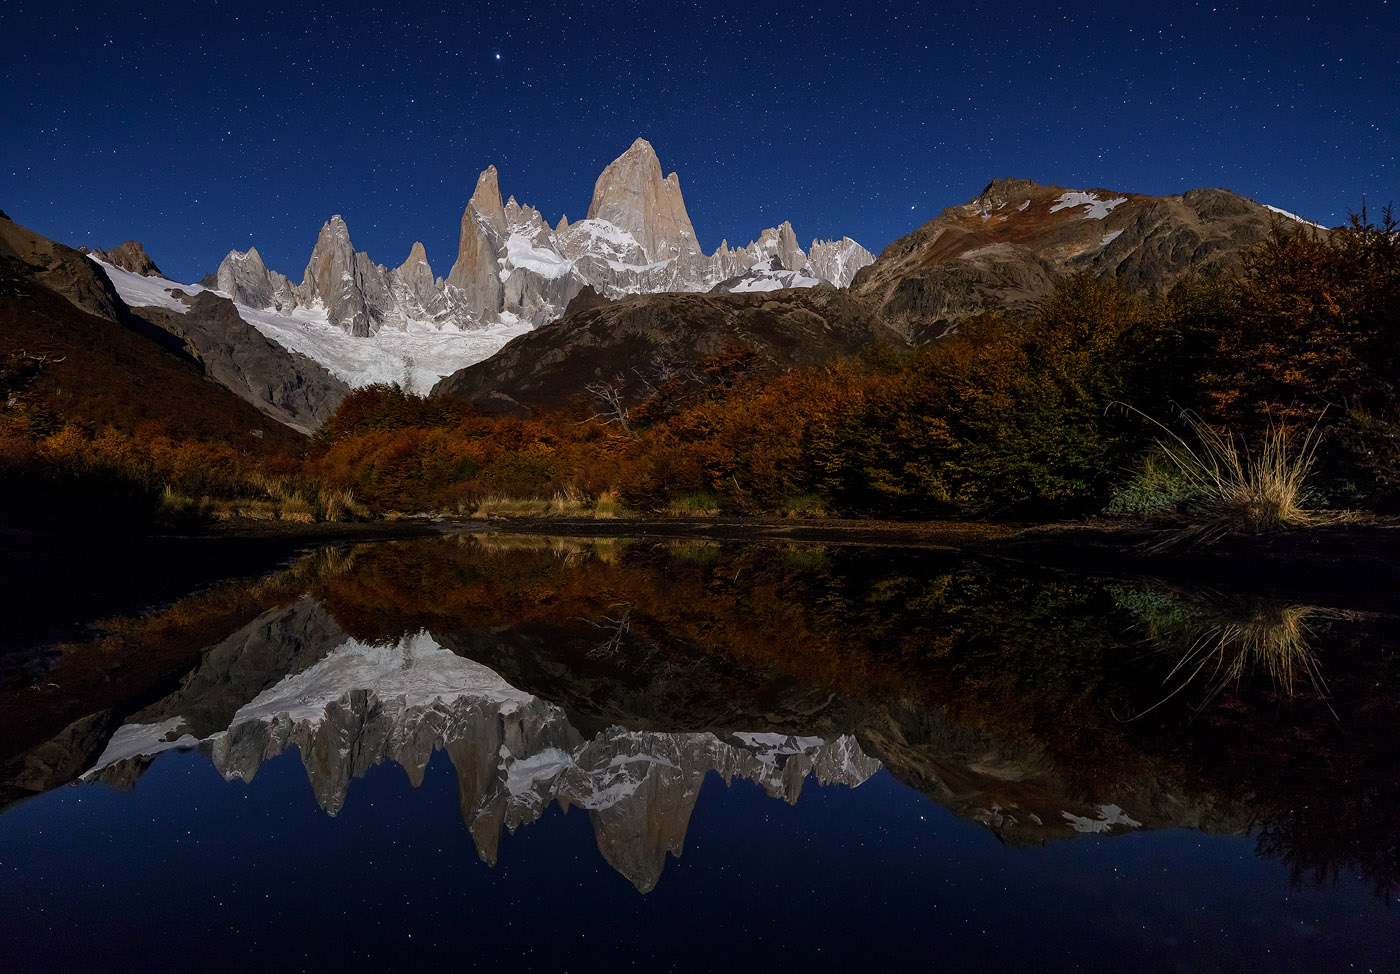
{"type": "Point", "coordinates": [285, 385]}
{"type": "Point", "coordinates": [551, 366]}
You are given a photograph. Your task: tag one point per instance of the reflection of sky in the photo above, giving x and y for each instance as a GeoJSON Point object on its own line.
{"type": "Point", "coordinates": [188, 869]}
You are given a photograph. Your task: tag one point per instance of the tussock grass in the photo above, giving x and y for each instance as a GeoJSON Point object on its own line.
{"type": "Point", "coordinates": [702, 504]}
{"type": "Point", "coordinates": [804, 505]}
{"type": "Point", "coordinates": [498, 505]}
{"type": "Point", "coordinates": [1231, 489]}
{"type": "Point", "coordinates": [271, 499]}
{"type": "Point", "coordinates": [569, 502]}
{"type": "Point", "coordinates": [609, 506]}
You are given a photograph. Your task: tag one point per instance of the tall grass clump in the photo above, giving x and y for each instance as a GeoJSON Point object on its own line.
{"type": "Point", "coordinates": [699, 504]}
{"type": "Point", "coordinates": [1226, 488]}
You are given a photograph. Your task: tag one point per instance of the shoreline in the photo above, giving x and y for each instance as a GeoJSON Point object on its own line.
{"type": "Point", "coordinates": [1355, 566]}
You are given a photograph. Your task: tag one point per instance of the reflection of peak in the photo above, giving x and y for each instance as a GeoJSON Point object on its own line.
{"type": "Point", "coordinates": [514, 753]}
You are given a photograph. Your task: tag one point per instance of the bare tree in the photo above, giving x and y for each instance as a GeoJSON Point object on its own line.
{"type": "Point", "coordinates": [611, 408]}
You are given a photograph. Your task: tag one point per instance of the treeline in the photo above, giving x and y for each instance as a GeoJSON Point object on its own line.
{"type": "Point", "coordinates": [1024, 418]}
{"type": "Point", "coordinates": [1038, 417]}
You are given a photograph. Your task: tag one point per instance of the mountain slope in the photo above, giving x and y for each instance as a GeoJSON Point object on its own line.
{"type": "Point", "coordinates": [1007, 246]}
{"type": "Point", "coordinates": [618, 341]}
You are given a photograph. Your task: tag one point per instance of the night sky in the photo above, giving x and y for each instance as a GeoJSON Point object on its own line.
{"type": "Point", "coordinates": [197, 128]}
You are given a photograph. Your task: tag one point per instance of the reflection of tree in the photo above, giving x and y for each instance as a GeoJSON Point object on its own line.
{"type": "Point", "coordinates": [611, 647]}
{"type": "Point", "coordinates": [1029, 667]}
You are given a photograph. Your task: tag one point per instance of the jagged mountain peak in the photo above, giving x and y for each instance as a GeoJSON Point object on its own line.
{"type": "Point", "coordinates": [417, 254]}
{"type": "Point", "coordinates": [511, 270]}
{"type": "Point", "coordinates": [486, 199]}
{"type": "Point", "coordinates": [631, 194]}
{"type": "Point", "coordinates": [130, 256]}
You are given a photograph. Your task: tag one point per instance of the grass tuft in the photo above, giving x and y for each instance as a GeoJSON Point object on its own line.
{"type": "Point", "coordinates": [1225, 488]}
{"type": "Point", "coordinates": [702, 504]}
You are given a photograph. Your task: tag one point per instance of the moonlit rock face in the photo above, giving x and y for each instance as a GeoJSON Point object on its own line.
{"type": "Point", "coordinates": [351, 287]}
{"type": "Point", "coordinates": [631, 194]}
{"type": "Point", "coordinates": [414, 289]}
{"type": "Point", "coordinates": [244, 278]}
{"type": "Point", "coordinates": [836, 260]}
{"type": "Point", "coordinates": [512, 271]}
{"type": "Point", "coordinates": [476, 274]}
{"type": "Point", "coordinates": [781, 242]}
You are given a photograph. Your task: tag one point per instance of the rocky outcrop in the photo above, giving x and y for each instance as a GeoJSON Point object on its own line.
{"type": "Point", "coordinates": [476, 274]}
{"type": "Point", "coordinates": [130, 256]}
{"type": "Point", "coordinates": [289, 387]}
{"type": "Point", "coordinates": [780, 243]}
{"type": "Point", "coordinates": [1007, 247]}
{"type": "Point", "coordinates": [836, 261]}
{"type": "Point", "coordinates": [26, 256]}
{"type": "Point", "coordinates": [352, 288]}
{"type": "Point", "coordinates": [245, 279]}
{"type": "Point", "coordinates": [416, 293]}
{"type": "Point", "coordinates": [620, 340]}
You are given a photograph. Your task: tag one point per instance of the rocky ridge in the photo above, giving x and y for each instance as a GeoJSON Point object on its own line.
{"type": "Point", "coordinates": [130, 256]}
{"type": "Point", "coordinates": [617, 342]}
{"type": "Point", "coordinates": [1007, 246]}
{"type": "Point", "coordinates": [511, 265]}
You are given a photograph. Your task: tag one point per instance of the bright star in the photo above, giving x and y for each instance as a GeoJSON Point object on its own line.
{"type": "Point", "coordinates": [498, 55]}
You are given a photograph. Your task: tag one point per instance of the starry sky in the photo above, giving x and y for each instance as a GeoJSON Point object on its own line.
{"type": "Point", "coordinates": [199, 127]}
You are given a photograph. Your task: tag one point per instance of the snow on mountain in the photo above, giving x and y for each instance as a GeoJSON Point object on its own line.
{"type": "Point", "coordinates": [1292, 216]}
{"type": "Point", "coordinates": [413, 353]}
{"type": "Point", "coordinates": [1097, 208]}
{"type": "Point", "coordinates": [766, 276]}
{"type": "Point", "coordinates": [511, 272]}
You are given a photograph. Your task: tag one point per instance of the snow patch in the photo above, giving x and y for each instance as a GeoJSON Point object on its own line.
{"type": "Point", "coordinates": [414, 672]}
{"type": "Point", "coordinates": [1098, 209]}
{"type": "Point", "coordinates": [415, 354]}
{"type": "Point", "coordinates": [1292, 216]}
{"type": "Point", "coordinates": [1108, 238]}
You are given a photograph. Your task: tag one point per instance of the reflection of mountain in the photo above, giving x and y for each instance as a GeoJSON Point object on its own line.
{"type": "Point", "coordinates": [514, 753]}
{"type": "Point", "coordinates": [616, 676]}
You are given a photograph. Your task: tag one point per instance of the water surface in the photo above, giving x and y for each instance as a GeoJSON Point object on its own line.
{"type": "Point", "coordinates": [550, 753]}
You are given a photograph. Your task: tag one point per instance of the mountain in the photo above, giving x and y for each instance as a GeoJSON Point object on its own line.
{"type": "Point", "coordinates": [620, 341]}
{"type": "Point", "coordinates": [512, 272]}
{"type": "Point", "coordinates": [1004, 249]}
{"type": "Point", "coordinates": [1008, 245]}
{"type": "Point", "coordinates": [88, 361]}
{"type": "Point", "coordinates": [285, 385]}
